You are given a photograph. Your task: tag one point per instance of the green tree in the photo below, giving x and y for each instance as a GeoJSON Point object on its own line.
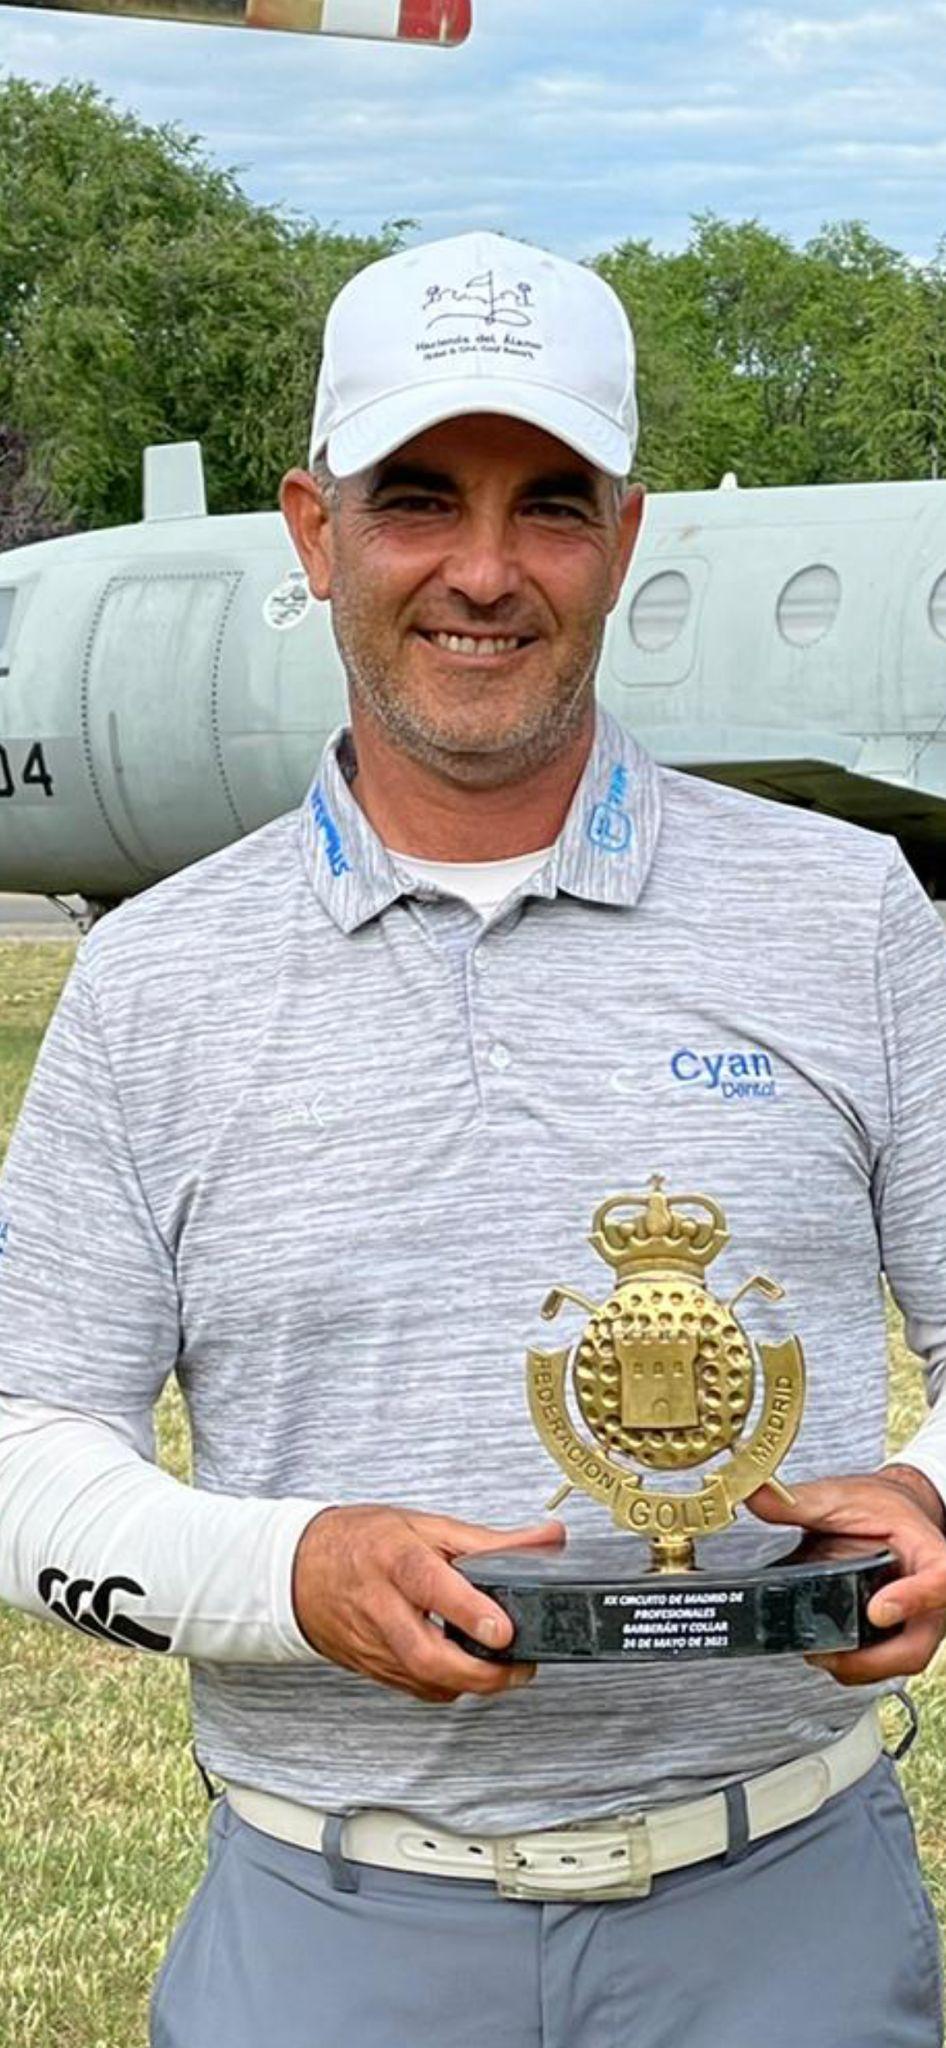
{"type": "Point", "coordinates": [25, 509]}
{"type": "Point", "coordinates": [791, 366]}
{"type": "Point", "coordinates": [696, 418]}
{"type": "Point", "coordinates": [147, 299]}
{"type": "Point", "coordinates": [892, 407]}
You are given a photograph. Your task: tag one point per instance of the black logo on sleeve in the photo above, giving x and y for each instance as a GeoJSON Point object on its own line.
{"type": "Point", "coordinates": [66, 1598]}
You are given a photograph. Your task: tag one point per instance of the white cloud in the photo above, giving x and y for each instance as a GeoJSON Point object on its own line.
{"type": "Point", "coordinates": [577, 125]}
{"type": "Point", "coordinates": [912, 156]}
{"type": "Point", "coordinates": [794, 41]}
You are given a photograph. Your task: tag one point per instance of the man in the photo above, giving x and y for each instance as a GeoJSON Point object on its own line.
{"type": "Point", "coordinates": [317, 1123]}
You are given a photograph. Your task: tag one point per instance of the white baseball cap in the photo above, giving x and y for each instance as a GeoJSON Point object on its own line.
{"type": "Point", "coordinates": [475, 324]}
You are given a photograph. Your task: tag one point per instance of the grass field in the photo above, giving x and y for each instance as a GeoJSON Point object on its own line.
{"type": "Point", "coordinates": [101, 1811]}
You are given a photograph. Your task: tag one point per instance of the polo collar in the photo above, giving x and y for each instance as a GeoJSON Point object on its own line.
{"type": "Point", "coordinates": [351, 873]}
{"type": "Point", "coordinates": [602, 855]}
{"type": "Point", "coordinates": [606, 846]}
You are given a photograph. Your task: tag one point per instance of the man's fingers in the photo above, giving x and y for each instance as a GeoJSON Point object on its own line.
{"type": "Point", "coordinates": [906, 1654]}
{"type": "Point", "coordinates": [814, 1505]}
{"type": "Point", "coordinates": [541, 1535]}
{"type": "Point", "coordinates": [469, 1674]}
{"type": "Point", "coordinates": [433, 1587]}
{"type": "Point", "coordinates": [913, 1604]}
{"type": "Point", "coordinates": [422, 1652]}
{"type": "Point", "coordinates": [430, 1583]}
{"type": "Point", "coordinates": [469, 1539]}
{"type": "Point", "coordinates": [924, 1592]}
{"type": "Point", "coordinates": [866, 1506]}
{"type": "Point", "coordinates": [371, 1585]}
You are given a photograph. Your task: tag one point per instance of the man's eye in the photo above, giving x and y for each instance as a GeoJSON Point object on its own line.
{"type": "Point", "coordinates": [413, 502]}
{"type": "Point", "coordinates": [556, 509]}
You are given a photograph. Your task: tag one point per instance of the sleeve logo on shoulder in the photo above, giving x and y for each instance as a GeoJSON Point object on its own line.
{"type": "Point", "coordinates": [66, 1598]}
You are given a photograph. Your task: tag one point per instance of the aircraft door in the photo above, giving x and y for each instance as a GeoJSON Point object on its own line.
{"type": "Point", "coordinates": [151, 686]}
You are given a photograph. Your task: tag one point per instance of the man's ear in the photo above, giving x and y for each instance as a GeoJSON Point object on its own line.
{"type": "Point", "coordinates": [630, 519]}
{"type": "Point", "coordinates": [309, 519]}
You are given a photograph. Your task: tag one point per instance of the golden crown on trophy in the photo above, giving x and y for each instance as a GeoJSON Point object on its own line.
{"type": "Point", "coordinates": [659, 1234]}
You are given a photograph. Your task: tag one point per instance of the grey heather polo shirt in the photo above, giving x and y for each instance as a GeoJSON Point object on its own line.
{"type": "Point", "coordinates": [363, 1134]}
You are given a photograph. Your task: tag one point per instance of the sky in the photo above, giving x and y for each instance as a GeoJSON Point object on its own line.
{"type": "Point", "coordinates": [575, 123]}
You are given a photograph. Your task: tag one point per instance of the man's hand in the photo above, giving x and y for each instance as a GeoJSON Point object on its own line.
{"type": "Point", "coordinates": [366, 1581]}
{"type": "Point", "coordinates": [902, 1511]}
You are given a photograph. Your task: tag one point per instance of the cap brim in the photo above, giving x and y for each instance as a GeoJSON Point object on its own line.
{"type": "Point", "coordinates": [374, 432]}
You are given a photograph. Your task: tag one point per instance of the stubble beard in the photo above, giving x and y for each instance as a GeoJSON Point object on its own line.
{"type": "Point", "coordinates": [514, 753]}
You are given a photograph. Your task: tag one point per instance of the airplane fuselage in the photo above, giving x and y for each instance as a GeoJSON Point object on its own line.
{"type": "Point", "coordinates": [167, 687]}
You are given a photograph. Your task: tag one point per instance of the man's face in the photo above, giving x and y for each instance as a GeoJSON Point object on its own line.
{"type": "Point", "coordinates": [470, 576]}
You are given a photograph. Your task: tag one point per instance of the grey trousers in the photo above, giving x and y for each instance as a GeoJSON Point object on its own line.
{"type": "Point", "coordinates": [821, 1936]}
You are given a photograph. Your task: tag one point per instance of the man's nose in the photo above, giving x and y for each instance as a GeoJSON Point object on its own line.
{"type": "Point", "coordinates": [483, 563]}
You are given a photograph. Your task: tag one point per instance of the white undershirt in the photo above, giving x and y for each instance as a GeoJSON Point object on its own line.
{"type": "Point", "coordinates": [483, 884]}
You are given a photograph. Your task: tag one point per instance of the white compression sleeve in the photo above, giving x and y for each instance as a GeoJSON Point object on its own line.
{"type": "Point", "coordinates": [926, 1449]}
{"type": "Point", "coordinates": [97, 1537]}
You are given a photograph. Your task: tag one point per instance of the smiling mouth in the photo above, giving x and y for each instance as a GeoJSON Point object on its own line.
{"type": "Point", "coordinates": [484, 646]}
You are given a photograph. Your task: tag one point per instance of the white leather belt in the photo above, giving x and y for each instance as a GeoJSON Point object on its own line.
{"type": "Point", "coordinates": [608, 1859]}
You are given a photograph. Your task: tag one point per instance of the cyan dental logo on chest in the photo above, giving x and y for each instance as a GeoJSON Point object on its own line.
{"type": "Point", "coordinates": [736, 1076]}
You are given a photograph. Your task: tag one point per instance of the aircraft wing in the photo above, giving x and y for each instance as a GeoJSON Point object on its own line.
{"type": "Point", "coordinates": [819, 771]}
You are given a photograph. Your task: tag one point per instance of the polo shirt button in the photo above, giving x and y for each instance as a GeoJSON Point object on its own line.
{"type": "Point", "coordinates": [481, 961]}
{"type": "Point", "coordinates": [500, 1057]}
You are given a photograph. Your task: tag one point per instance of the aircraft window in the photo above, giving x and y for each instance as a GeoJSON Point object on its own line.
{"type": "Point", "coordinates": [809, 605]}
{"type": "Point", "coordinates": [937, 607]}
{"type": "Point", "coordinates": [660, 611]}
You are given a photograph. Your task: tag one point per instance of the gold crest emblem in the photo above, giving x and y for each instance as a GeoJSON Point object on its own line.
{"type": "Point", "coordinates": [665, 1376]}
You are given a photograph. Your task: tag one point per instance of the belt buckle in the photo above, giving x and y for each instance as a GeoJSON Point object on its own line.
{"type": "Point", "coordinates": [610, 1861]}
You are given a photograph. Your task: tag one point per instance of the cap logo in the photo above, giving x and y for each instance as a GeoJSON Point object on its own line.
{"type": "Point", "coordinates": [481, 301]}
{"type": "Point", "coordinates": [480, 318]}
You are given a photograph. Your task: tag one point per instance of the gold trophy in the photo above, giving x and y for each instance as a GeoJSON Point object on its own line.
{"type": "Point", "coordinates": [665, 1377]}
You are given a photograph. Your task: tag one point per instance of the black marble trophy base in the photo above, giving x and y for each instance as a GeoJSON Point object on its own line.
{"type": "Point", "coordinates": [754, 1593]}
